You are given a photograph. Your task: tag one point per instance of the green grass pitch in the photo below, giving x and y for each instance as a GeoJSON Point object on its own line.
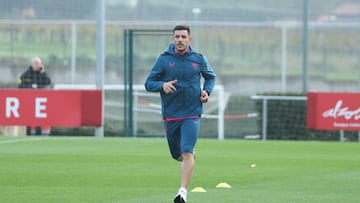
{"type": "Point", "coordinates": [140, 170]}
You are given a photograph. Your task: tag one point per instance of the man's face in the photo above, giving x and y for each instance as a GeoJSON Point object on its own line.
{"type": "Point", "coordinates": [36, 65]}
{"type": "Point", "coordinates": [182, 40]}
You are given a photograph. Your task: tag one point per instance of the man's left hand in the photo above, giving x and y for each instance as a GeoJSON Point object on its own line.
{"type": "Point", "coordinates": [204, 97]}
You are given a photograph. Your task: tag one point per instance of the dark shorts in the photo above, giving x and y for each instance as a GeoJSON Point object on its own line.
{"type": "Point", "coordinates": [182, 136]}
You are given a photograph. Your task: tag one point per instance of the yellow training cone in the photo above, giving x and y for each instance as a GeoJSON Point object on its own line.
{"type": "Point", "coordinates": [198, 189]}
{"type": "Point", "coordinates": [223, 185]}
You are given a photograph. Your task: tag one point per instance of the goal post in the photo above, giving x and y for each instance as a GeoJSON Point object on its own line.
{"type": "Point", "coordinates": [129, 89]}
{"type": "Point", "coordinates": [265, 99]}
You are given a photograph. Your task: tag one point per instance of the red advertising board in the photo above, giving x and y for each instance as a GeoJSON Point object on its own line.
{"type": "Point", "coordinates": [67, 108]}
{"type": "Point", "coordinates": [333, 111]}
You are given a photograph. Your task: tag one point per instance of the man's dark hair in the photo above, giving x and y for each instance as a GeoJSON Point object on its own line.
{"type": "Point", "coordinates": [182, 27]}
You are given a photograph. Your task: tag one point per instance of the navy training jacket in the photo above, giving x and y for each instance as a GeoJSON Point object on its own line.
{"type": "Point", "coordinates": [187, 69]}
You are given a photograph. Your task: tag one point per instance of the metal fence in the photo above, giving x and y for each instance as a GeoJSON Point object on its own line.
{"type": "Point", "coordinates": [249, 58]}
{"type": "Point", "coordinates": [254, 46]}
{"type": "Point", "coordinates": [240, 52]}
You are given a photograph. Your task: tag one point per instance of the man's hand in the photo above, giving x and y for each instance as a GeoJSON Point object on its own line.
{"type": "Point", "coordinates": [42, 68]}
{"type": "Point", "coordinates": [168, 87]}
{"type": "Point", "coordinates": [204, 97]}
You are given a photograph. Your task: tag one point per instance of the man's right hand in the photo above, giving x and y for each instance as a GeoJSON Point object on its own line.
{"type": "Point", "coordinates": [42, 68]}
{"type": "Point", "coordinates": [168, 87]}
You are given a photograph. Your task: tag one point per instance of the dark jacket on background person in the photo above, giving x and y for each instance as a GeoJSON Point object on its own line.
{"type": "Point", "coordinates": [34, 79]}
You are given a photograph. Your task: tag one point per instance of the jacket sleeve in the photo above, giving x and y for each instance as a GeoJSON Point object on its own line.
{"type": "Point", "coordinates": [24, 81]}
{"type": "Point", "coordinates": [21, 81]}
{"type": "Point", "coordinates": [209, 76]}
{"type": "Point", "coordinates": [154, 81]}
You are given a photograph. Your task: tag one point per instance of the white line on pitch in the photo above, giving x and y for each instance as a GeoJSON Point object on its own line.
{"type": "Point", "coordinates": [24, 140]}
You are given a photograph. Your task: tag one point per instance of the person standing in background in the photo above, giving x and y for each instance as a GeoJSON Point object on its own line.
{"type": "Point", "coordinates": [35, 77]}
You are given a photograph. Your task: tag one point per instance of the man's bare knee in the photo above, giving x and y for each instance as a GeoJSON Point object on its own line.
{"type": "Point", "coordinates": [187, 156]}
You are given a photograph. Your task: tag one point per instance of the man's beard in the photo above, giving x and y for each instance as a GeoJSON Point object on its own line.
{"type": "Point", "coordinates": [180, 47]}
